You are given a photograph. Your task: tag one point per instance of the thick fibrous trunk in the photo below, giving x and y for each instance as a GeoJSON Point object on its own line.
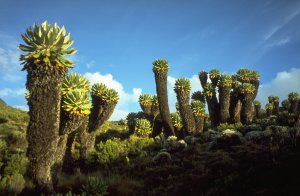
{"type": "Point", "coordinates": [186, 113]}
{"type": "Point", "coordinates": [199, 120]}
{"type": "Point", "coordinates": [235, 108]}
{"type": "Point", "coordinates": [246, 110]}
{"type": "Point", "coordinates": [294, 105]}
{"type": "Point", "coordinates": [214, 110]}
{"type": "Point", "coordinates": [43, 127]}
{"type": "Point", "coordinates": [257, 112]}
{"type": "Point", "coordinates": [68, 161]}
{"type": "Point", "coordinates": [276, 108]}
{"type": "Point", "coordinates": [162, 96]}
{"type": "Point", "coordinates": [224, 100]}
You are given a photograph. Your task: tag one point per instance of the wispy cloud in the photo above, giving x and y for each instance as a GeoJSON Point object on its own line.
{"type": "Point", "coordinates": [8, 92]}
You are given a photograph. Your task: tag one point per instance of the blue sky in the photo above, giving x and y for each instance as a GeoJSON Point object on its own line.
{"type": "Point", "coordinates": [117, 41]}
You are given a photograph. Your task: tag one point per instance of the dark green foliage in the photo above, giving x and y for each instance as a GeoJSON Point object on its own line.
{"type": "Point", "coordinates": [257, 108]}
{"type": "Point", "coordinates": [198, 95]}
{"type": "Point", "coordinates": [94, 186]}
{"type": "Point", "coordinates": [142, 128]}
{"type": "Point", "coordinates": [160, 69]}
{"type": "Point", "coordinates": [214, 76]}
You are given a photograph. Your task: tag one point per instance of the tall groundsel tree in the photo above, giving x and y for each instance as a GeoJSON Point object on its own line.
{"type": "Point", "coordinates": [182, 89]}
{"type": "Point", "coordinates": [44, 60]}
{"type": "Point", "coordinates": [160, 69]}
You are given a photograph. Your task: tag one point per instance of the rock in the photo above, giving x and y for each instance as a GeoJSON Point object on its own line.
{"type": "Point", "coordinates": [174, 145]}
{"type": "Point", "coordinates": [192, 140]}
{"type": "Point", "coordinates": [255, 136]}
{"type": "Point", "coordinates": [162, 157]}
{"type": "Point", "coordinates": [227, 138]}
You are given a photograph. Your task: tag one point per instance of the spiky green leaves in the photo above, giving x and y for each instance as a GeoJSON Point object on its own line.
{"type": "Point", "coordinates": [273, 99]}
{"type": "Point", "coordinates": [75, 91]}
{"type": "Point", "coordinates": [106, 94]}
{"type": "Point", "coordinates": [214, 73]}
{"type": "Point", "coordinates": [182, 85]}
{"type": "Point", "coordinates": [98, 89]}
{"type": "Point", "coordinates": [47, 45]}
{"type": "Point", "coordinates": [77, 103]}
{"type": "Point", "coordinates": [160, 66]}
{"type": "Point", "coordinates": [247, 88]}
{"type": "Point", "coordinates": [198, 95]}
{"type": "Point", "coordinates": [110, 96]}
{"type": "Point", "coordinates": [293, 96]}
{"type": "Point", "coordinates": [142, 127]}
{"type": "Point", "coordinates": [269, 106]}
{"type": "Point", "coordinates": [176, 120]}
{"type": "Point", "coordinates": [246, 75]}
{"type": "Point", "coordinates": [225, 81]}
{"type": "Point", "coordinates": [209, 90]}
{"type": "Point", "coordinates": [145, 100]}
{"type": "Point", "coordinates": [154, 100]}
{"type": "Point", "coordinates": [256, 103]}
{"type": "Point", "coordinates": [198, 108]}
{"type": "Point", "coordinates": [75, 81]}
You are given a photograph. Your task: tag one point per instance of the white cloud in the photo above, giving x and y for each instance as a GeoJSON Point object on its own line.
{"type": "Point", "coordinates": [10, 67]}
{"type": "Point", "coordinates": [118, 114]}
{"type": "Point", "coordinates": [284, 83]}
{"type": "Point", "coordinates": [125, 98]}
{"type": "Point", "coordinates": [8, 92]}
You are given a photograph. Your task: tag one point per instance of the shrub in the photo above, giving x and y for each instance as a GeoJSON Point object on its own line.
{"type": "Point", "coordinates": [110, 150]}
{"type": "Point", "coordinates": [17, 164]}
{"type": "Point", "coordinates": [12, 185]}
{"type": "Point", "coordinates": [142, 128]}
{"type": "Point", "coordinates": [94, 186]}
{"type": "Point", "coordinates": [235, 126]}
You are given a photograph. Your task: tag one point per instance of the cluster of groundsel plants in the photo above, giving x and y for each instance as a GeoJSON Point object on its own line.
{"type": "Point", "coordinates": [76, 99]}
{"type": "Point", "coordinates": [160, 66]}
{"type": "Point", "coordinates": [176, 120]}
{"type": "Point", "coordinates": [142, 128]}
{"type": "Point", "coordinates": [182, 85]}
{"type": "Point", "coordinates": [46, 46]}
{"type": "Point", "coordinates": [198, 108]}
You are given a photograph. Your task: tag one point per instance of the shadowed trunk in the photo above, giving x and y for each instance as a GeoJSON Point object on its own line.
{"type": "Point", "coordinates": [276, 108]}
{"type": "Point", "coordinates": [246, 109]}
{"type": "Point", "coordinates": [199, 120]}
{"type": "Point", "coordinates": [43, 127]}
{"type": "Point", "coordinates": [213, 109]}
{"type": "Point", "coordinates": [235, 108]}
{"type": "Point", "coordinates": [68, 161]}
{"type": "Point", "coordinates": [257, 111]}
{"type": "Point", "coordinates": [185, 111]}
{"type": "Point", "coordinates": [269, 112]}
{"type": "Point", "coordinates": [294, 105]}
{"type": "Point", "coordinates": [224, 100]}
{"type": "Point", "coordinates": [162, 96]}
